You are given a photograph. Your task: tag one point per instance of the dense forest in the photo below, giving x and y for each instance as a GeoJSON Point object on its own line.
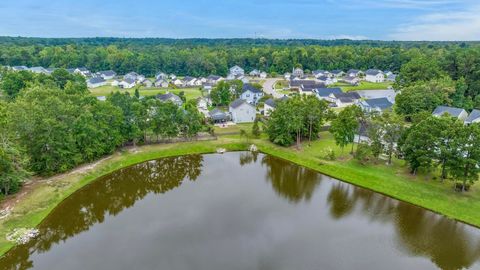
{"type": "Point", "coordinates": [201, 57]}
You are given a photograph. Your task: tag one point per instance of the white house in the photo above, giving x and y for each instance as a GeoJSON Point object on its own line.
{"type": "Point", "coordinates": [38, 70]}
{"type": "Point", "coordinates": [320, 73]}
{"type": "Point", "coordinates": [374, 75]}
{"type": "Point", "coordinates": [338, 73]}
{"type": "Point", "coordinates": [326, 80]}
{"type": "Point", "coordinates": [147, 83]}
{"type": "Point", "coordinates": [203, 103]}
{"type": "Point", "coordinates": [19, 68]}
{"type": "Point", "coordinates": [107, 74]}
{"type": "Point", "coordinates": [115, 82]}
{"type": "Point", "coordinates": [287, 76]}
{"type": "Point", "coordinates": [127, 83]}
{"type": "Point", "coordinates": [263, 75]}
{"type": "Point", "coordinates": [82, 71]}
{"type": "Point", "coordinates": [458, 113]}
{"type": "Point", "coordinates": [269, 106]}
{"type": "Point", "coordinates": [237, 71]}
{"type": "Point", "coordinates": [375, 104]}
{"type": "Point", "coordinates": [297, 72]}
{"type": "Point", "coordinates": [177, 82]}
{"type": "Point", "coordinates": [161, 83]}
{"type": "Point", "coordinates": [161, 76]}
{"type": "Point", "coordinates": [214, 79]}
{"type": "Point", "coordinates": [96, 82]}
{"type": "Point", "coordinates": [327, 93]}
{"type": "Point", "coordinates": [189, 81]}
{"type": "Point", "coordinates": [345, 99]}
{"type": "Point", "coordinates": [251, 94]}
{"type": "Point", "coordinates": [354, 73]}
{"type": "Point", "coordinates": [242, 111]}
{"type": "Point", "coordinates": [255, 73]}
{"type": "Point", "coordinates": [351, 80]}
{"type": "Point", "coordinates": [474, 117]}
{"type": "Point", "coordinates": [131, 76]}
{"type": "Point", "coordinates": [169, 97]}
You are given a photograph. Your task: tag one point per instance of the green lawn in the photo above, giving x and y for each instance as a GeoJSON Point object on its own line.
{"type": "Point", "coordinates": [363, 86]}
{"type": "Point", "coordinates": [190, 93]}
{"type": "Point", "coordinates": [281, 84]}
{"type": "Point", "coordinates": [393, 180]}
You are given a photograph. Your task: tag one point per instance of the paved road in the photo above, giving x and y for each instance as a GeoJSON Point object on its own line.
{"type": "Point", "coordinates": [269, 87]}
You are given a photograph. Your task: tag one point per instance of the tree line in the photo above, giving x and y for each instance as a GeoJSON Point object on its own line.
{"type": "Point", "coordinates": [53, 124]}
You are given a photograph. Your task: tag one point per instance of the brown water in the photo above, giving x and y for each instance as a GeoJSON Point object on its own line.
{"type": "Point", "coordinates": [240, 211]}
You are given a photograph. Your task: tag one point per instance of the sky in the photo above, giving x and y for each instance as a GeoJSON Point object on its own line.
{"type": "Point", "coordinates": [282, 19]}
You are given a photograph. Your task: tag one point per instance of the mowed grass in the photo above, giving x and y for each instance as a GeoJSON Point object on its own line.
{"type": "Point", "coordinates": [392, 180]}
{"type": "Point", "coordinates": [190, 93]}
{"type": "Point", "coordinates": [363, 86]}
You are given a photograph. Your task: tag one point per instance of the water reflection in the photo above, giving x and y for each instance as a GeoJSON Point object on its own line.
{"type": "Point", "coordinates": [108, 196]}
{"type": "Point", "coordinates": [416, 233]}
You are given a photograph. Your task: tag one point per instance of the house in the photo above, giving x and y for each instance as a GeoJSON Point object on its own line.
{"type": "Point", "coordinates": [169, 97]}
{"type": "Point", "coordinates": [337, 73]}
{"type": "Point", "coordinates": [307, 89]}
{"type": "Point", "coordinates": [127, 83]}
{"type": "Point", "coordinates": [251, 94]}
{"type": "Point", "coordinates": [177, 82]}
{"type": "Point", "coordinates": [351, 80]}
{"type": "Point", "coordinates": [263, 75]}
{"type": "Point", "coordinates": [388, 73]}
{"type": "Point", "coordinates": [82, 71]}
{"type": "Point", "coordinates": [50, 70]}
{"type": "Point", "coordinates": [214, 79]}
{"type": "Point", "coordinates": [71, 70]}
{"type": "Point", "coordinates": [161, 76]}
{"type": "Point", "coordinates": [255, 73]}
{"type": "Point", "coordinates": [375, 105]}
{"type": "Point", "coordinates": [287, 76]}
{"type": "Point", "coordinates": [218, 116]}
{"type": "Point", "coordinates": [19, 68]}
{"type": "Point", "coordinates": [326, 80]}
{"type": "Point", "coordinates": [326, 93]}
{"type": "Point", "coordinates": [320, 73]}
{"type": "Point", "coordinates": [96, 82]}
{"type": "Point", "coordinates": [269, 106]}
{"type": "Point", "coordinates": [391, 78]}
{"type": "Point", "coordinates": [161, 83]}
{"type": "Point", "coordinates": [189, 81]}
{"type": "Point", "coordinates": [296, 84]}
{"type": "Point", "coordinates": [115, 82]}
{"type": "Point", "coordinates": [208, 87]}
{"type": "Point", "coordinates": [474, 117]}
{"type": "Point", "coordinates": [297, 72]}
{"type": "Point", "coordinates": [172, 76]}
{"type": "Point", "coordinates": [458, 113]}
{"type": "Point", "coordinates": [237, 71]}
{"type": "Point", "coordinates": [203, 103]}
{"type": "Point", "coordinates": [107, 74]}
{"type": "Point", "coordinates": [241, 111]}
{"type": "Point", "coordinates": [354, 73]}
{"type": "Point", "coordinates": [374, 75]}
{"type": "Point", "coordinates": [38, 70]}
{"type": "Point", "coordinates": [147, 83]}
{"type": "Point", "coordinates": [345, 99]}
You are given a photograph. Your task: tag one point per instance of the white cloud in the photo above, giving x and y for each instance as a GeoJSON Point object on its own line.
{"type": "Point", "coordinates": [448, 26]}
{"type": "Point", "coordinates": [351, 37]}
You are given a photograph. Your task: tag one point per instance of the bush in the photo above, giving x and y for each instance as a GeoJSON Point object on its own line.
{"type": "Point", "coordinates": [364, 153]}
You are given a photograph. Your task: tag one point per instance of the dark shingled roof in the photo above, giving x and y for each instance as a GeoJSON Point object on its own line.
{"type": "Point", "coordinates": [129, 80]}
{"type": "Point", "coordinates": [455, 112]}
{"type": "Point", "coordinates": [373, 72]}
{"type": "Point", "coordinates": [351, 95]}
{"type": "Point", "coordinates": [237, 103]}
{"type": "Point", "coordinates": [270, 102]}
{"type": "Point", "coordinates": [169, 96]}
{"type": "Point", "coordinates": [381, 103]}
{"type": "Point", "coordinates": [325, 92]}
{"type": "Point", "coordinates": [107, 73]}
{"type": "Point", "coordinates": [217, 114]}
{"type": "Point", "coordinates": [96, 80]}
{"type": "Point", "coordinates": [474, 115]}
{"type": "Point", "coordinates": [251, 88]}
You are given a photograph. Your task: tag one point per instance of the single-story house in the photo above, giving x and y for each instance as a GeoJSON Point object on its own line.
{"type": "Point", "coordinates": [326, 93]}
{"type": "Point", "coordinates": [351, 80]}
{"type": "Point", "coordinates": [296, 84]}
{"type": "Point", "coordinates": [96, 82]}
{"type": "Point", "coordinates": [354, 73]}
{"type": "Point", "coordinates": [237, 71]}
{"type": "Point", "coordinates": [177, 82]}
{"type": "Point", "coordinates": [161, 83]}
{"type": "Point", "coordinates": [218, 116]}
{"type": "Point", "coordinates": [474, 117]}
{"type": "Point", "coordinates": [242, 111]}
{"type": "Point", "coordinates": [214, 79]}
{"type": "Point", "coordinates": [251, 94]}
{"type": "Point", "coordinates": [132, 76]}
{"type": "Point", "coordinates": [458, 113]}
{"type": "Point", "coordinates": [337, 73]}
{"type": "Point", "coordinates": [107, 74]}
{"type": "Point", "coordinates": [345, 99]}
{"type": "Point", "coordinates": [169, 97]}
{"type": "Point", "coordinates": [147, 83]}
{"type": "Point", "coordinates": [161, 76]}
{"type": "Point", "coordinates": [374, 75]}
{"type": "Point", "coordinates": [127, 83]}
{"type": "Point", "coordinates": [309, 89]}
{"type": "Point", "coordinates": [189, 81]}
{"type": "Point", "coordinates": [375, 104]}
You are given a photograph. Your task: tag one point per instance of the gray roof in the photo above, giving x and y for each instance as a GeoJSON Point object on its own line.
{"type": "Point", "coordinates": [129, 80]}
{"type": "Point", "coordinates": [270, 102]}
{"type": "Point", "coordinates": [170, 97]}
{"type": "Point", "coordinates": [213, 77]}
{"type": "Point", "coordinates": [474, 115]}
{"type": "Point", "coordinates": [107, 73]}
{"type": "Point", "coordinates": [336, 71]}
{"type": "Point", "coordinates": [96, 80]}
{"type": "Point", "coordinates": [237, 103]}
{"type": "Point", "coordinates": [381, 103]}
{"type": "Point", "coordinates": [188, 78]}
{"type": "Point", "coordinates": [373, 72]}
{"type": "Point", "coordinates": [353, 71]}
{"type": "Point", "coordinates": [325, 92]}
{"type": "Point", "coordinates": [351, 95]}
{"type": "Point", "coordinates": [217, 114]}
{"type": "Point", "coordinates": [455, 112]}
{"type": "Point", "coordinates": [251, 88]}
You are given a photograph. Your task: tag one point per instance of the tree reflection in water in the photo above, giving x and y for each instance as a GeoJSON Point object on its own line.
{"type": "Point", "coordinates": [107, 196]}
{"type": "Point", "coordinates": [448, 244]}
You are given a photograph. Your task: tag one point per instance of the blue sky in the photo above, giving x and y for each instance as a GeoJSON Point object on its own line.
{"type": "Point", "coordinates": [320, 19]}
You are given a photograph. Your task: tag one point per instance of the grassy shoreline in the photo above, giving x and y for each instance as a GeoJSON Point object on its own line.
{"type": "Point", "coordinates": [33, 206]}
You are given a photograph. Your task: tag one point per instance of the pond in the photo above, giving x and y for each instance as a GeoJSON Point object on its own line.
{"type": "Point", "coordinates": [240, 211]}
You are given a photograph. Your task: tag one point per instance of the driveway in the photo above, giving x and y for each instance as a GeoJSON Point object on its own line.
{"type": "Point", "coordinates": [269, 87]}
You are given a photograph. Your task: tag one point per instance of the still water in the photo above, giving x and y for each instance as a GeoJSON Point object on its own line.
{"type": "Point", "coordinates": [240, 211]}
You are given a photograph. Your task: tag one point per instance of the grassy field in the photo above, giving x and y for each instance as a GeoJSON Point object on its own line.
{"type": "Point", "coordinates": [190, 93]}
{"type": "Point", "coordinates": [281, 84]}
{"type": "Point", "coordinates": [41, 197]}
{"type": "Point", "coordinates": [363, 86]}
